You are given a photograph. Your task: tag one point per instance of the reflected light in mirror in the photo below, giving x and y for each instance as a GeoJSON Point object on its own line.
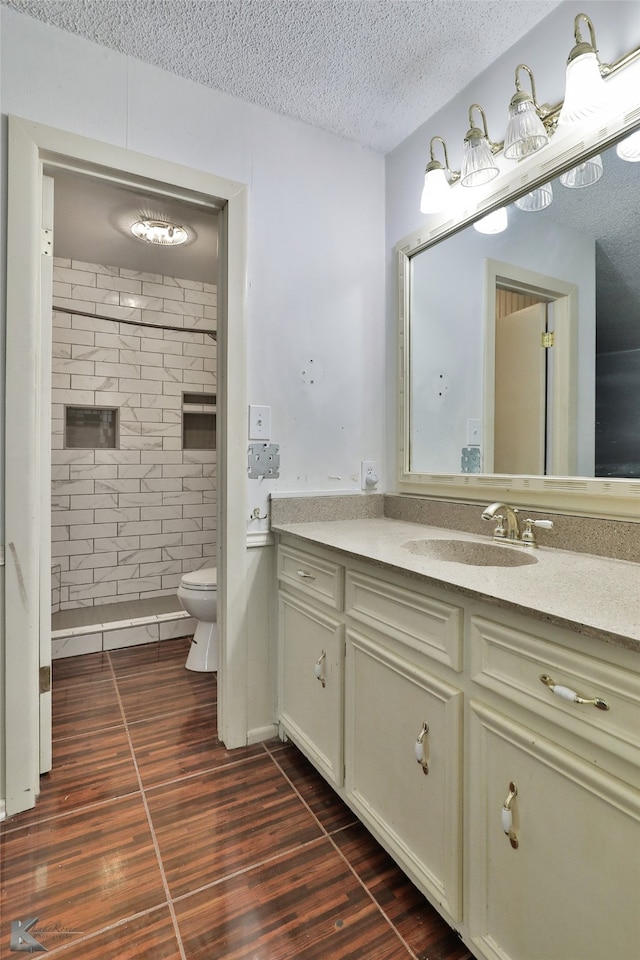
{"type": "Point", "coordinates": [584, 175]}
{"type": "Point", "coordinates": [494, 222]}
{"type": "Point", "coordinates": [536, 199]}
{"type": "Point", "coordinates": [629, 149]}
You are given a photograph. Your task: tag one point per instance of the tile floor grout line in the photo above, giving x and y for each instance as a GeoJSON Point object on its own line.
{"type": "Point", "coordinates": [154, 838]}
{"type": "Point", "coordinates": [68, 813]}
{"type": "Point", "coordinates": [329, 837]}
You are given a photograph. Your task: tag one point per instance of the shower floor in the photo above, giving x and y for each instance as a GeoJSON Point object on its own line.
{"type": "Point", "coordinates": [115, 616]}
{"type": "Point", "coordinates": [111, 626]}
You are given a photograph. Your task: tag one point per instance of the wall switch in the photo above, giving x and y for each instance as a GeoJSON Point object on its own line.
{"type": "Point", "coordinates": [369, 474]}
{"type": "Point", "coordinates": [259, 422]}
{"type": "Point", "coordinates": [474, 433]}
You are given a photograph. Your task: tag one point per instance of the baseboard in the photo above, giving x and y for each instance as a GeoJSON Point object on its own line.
{"type": "Point", "coordinates": [259, 734]}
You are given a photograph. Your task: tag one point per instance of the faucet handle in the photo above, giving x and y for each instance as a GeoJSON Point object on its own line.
{"type": "Point", "coordinates": [500, 531]}
{"type": "Point", "coordinates": [528, 534]}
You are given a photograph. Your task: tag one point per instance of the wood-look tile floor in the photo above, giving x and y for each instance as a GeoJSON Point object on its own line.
{"type": "Point", "coordinates": [151, 840]}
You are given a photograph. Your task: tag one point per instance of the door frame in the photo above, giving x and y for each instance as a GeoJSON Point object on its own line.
{"type": "Point", "coordinates": [564, 296]}
{"type": "Point", "coordinates": [27, 517]}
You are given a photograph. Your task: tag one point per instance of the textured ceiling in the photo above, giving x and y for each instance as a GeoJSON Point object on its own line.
{"type": "Point", "coordinates": [369, 70]}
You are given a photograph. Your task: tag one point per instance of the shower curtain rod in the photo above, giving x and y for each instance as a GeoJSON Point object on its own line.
{"type": "Point", "coordinates": [135, 323]}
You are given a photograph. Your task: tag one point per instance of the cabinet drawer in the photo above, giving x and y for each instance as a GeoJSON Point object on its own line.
{"type": "Point", "coordinates": [317, 578]}
{"type": "Point", "coordinates": [421, 622]}
{"type": "Point", "coordinates": [511, 663]}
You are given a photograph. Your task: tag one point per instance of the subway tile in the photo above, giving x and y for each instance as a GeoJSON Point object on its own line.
{"type": "Point", "coordinates": [61, 472]}
{"type": "Point", "coordinates": [199, 376]}
{"type": "Point", "coordinates": [210, 287]}
{"type": "Point", "coordinates": [140, 556]}
{"type": "Point", "coordinates": [61, 289]}
{"type": "Point", "coordinates": [144, 330]}
{"type": "Point", "coordinates": [116, 369]}
{"type": "Point", "coordinates": [182, 470]}
{"type": "Point", "coordinates": [162, 290]}
{"type": "Point", "coordinates": [103, 297]}
{"type": "Point", "coordinates": [67, 548]}
{"type": "Point", "coordinates": [93, 471]}
{"type": "Point", "coordinates": [68, 366]}
{"type": "Point", "coordinates": [142, 471]}
{"type": "Point", "coordinates": [98, 354]}
{"type": "Point", "coordinates": [117, 515]}
{"type": "Point", "coordinates": [172, 582]}
{"type": "Point", "coordinates": [67, 275]}
{"type": "Point", "coordinates": [140, 500]}
{"type": "Point", "coordinates": [89, 561]}
{"type": "Point", "coordinates": [163, 568]}
{"type": "Point", "coordinates": [196, 510]}
{"type": "Point", "coordinates": [159, 317]}
{"type": "Point", "coordinates": [197, 483]}
{"type": "Point", "coordinates": [137, 586]}
{"type": "Point", "coordinates": [169, 457]}
{"type": "Point", "coordinates": [139, 527]}
{"type": "Point", "coordinates": [97, 324]}
{"type": "Point", "coordinates": [88, 531]}
{"type": "Point", "coordinates": [161, 540]}
{"type": "Point", "coordinates": [140, 386]}
{"type": "Point", "coordinates": [117, 456]}
{"type": "Point", "coordinates": [143, 357]}
{"type": "Point", "coordinates": [72, 516]}
{"type": "Point", "coordinates": [193, 551]}
{"type": "Point", "coordinates": [78, 397]}
{"type": "Point", "coordinates": [103, 384]}
{"type": "Point", "coordinates": [96, 502]}
{"type": "Point", "coordinates": [141, 303]}
{"type": "Point", "coordinates": [162, 346]}
{"type": "Point", "coordinates": [141, 443]}
{"type": "Point", "coordinates": [173, 309]}
{"type": "Point", "coordinates": [121, 313]}
{"type": "Point", "coordinates": [117, 399]}
{"type": "Point", "coordinates": [94, 267]}
{"type": "Point", "coordinates": [59, 533]}
{"type": "Point", "coordinates": [171, 629]}
{"type": "Point", "coordinates": [120, 572]}
{"type": "Point", "coordinates": [172, 443]}
{"type": "Point", "coordinates": [113, 542]}
{"type": "Point", "coordinates": [192, 525]}
{"type": "Point", "coordinates": [185, 284]}
{"type": "Point", "coordinates": [69, 577]}
{"type": "Point", "coordinates": [177, 362]}
{"type": "Point", "coordinates": [186, 336]}
{"type": "Point", "coordinates": [161, 486]}
{"type": "Point", "coordinates": [138, 414]}
{"type": "Point", "coordinates": [185, 497]}
{"type": "Point", "coordinates": [117, 341]}
{"type": "Point", "coordinates": [139, 275]}
{"type": "Point", "coordinates": [194, 349]}
{"type": "Point", "coordinates": [160, 513]}
{"type": "Point", "coordinates": [199, 456]}
{"type": "Point", "coordinates": [85, 591]}
{"type": "Point", "coordinates": [124, 284]}
{"type": "Point", "coordinates": [61, 351]}
{"type": "Point", "coordinates": [118, 486]}
{"type": "Point", "coordinates": [206, 536]}
{"type": "Point", "coordinates": [60, 503]}
{"type": "Point", "coordinates": [157, 400]}
{"type": "Point", "coordinates": [201, 323]}
{"type": "Point", "coordinates": [69, 305]}
{"type": "Point", "coordinates": [168, 428]}
{"type": "Point", "coordinates": [161, 373]}
{"type": "Point", "coordinates": [64, 487]}
{"type": "Point", "coordinates": [76, 646]}
{"type": "Point", "coordinates": [197, 296]}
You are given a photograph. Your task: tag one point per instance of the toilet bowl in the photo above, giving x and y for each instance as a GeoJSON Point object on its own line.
{"type": "Point", "coordinates": [198, 594]}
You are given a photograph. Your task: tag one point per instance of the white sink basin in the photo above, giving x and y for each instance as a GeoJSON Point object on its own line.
{"type": "Point", "coordinates": [472, 552]}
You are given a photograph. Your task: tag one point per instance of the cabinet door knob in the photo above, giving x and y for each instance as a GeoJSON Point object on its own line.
{"type": "Point", "coordinates": [319, 668]}
{"type": "Point", "coordinates": [506, 815]}
{"type": "Point", "coordinates": [304, 575]}
{"type": "Point", "coordinates": [419, 748]}
{"type": "Point", "coordinates": [565, 693]}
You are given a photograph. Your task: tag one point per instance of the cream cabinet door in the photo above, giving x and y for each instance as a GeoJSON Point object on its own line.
{"type": "Point", "coordinates": [567, 887]}
{"type": "Point", "coordinates": [414, 807]}
{"type": "Point", "coordinates": [310, 695]}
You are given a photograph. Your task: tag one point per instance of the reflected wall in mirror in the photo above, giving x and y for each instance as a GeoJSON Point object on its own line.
{"type": "Point", "coordinates": [484, 394]}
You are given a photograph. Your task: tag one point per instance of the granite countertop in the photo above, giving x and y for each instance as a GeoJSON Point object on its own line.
{"type": "Point", "coordinates": [597, 595]}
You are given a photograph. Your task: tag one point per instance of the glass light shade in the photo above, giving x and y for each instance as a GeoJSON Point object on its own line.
{"type": "Point", "coordinates": [584, 175]}
{"type": "Point", "coordinates": [159, 231]}
{"type": "Point", "coordinates": [629, 148]}
{"type": "Point", "coordinates": [536, 199]}
{"type": "Point", "coordinates": [585, 91]}
{"type": "Point", "coordinates": [478, 163]}
{"type": "Point", "coordinates": [436, 193]}
{"type": "Point", "coordinates": [494, 222]}
{"type": "Point", "coordinates": [525, 131]}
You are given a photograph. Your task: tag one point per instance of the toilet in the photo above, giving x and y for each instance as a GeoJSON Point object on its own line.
{"type": "Point", "coordinates": [198, 594]}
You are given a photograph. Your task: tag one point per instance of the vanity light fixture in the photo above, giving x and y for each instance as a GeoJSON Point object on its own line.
{"type": "Point", "coordinates": [629, 148]}
{"type": "Point", "coordinates": [585, 91]}
{"type": "Point", "coordinates": [525, 131]}
{"type": "Point", "coordinates": [436, 193]}
{"type": "Point", "coordinates": [494, 222]}
{"type": "Point", "coordinates": [162, 232]}
{"type": "Point", "coordinates": [537, 199]}
{"type": "Point", "coordinates": [584, 175]}
{"type": "Point", "coordinates": [478, 163]}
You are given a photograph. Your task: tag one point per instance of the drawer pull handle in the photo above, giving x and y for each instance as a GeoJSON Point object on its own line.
{"type": "Point", "coordinates": [419, 748]}
{"type": "Point", "coordinates": [304, 575]}
{"type": "Point", "coordinates": [567, 694]}
{"type": "Point", "coordinates": [506, 815]}
{"type": "Point", "coordinates": [319, 668]}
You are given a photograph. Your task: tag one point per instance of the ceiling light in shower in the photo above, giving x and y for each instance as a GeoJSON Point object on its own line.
{"type": "Point", "coordinates": [159, 231]}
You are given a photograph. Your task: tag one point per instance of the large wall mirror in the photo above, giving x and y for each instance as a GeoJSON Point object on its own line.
{"type": "Point", "coordinates": [520, 350]}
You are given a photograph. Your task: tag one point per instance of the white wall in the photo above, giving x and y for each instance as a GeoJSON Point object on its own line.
{"type": "Point", "coordinates": [316, 234]}
{"type": "Point", "coordinates": [315, 274]}
{"type": "Point", "coordinates": [544, 50]}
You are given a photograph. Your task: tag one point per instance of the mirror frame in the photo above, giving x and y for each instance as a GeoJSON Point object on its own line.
{"type": "Point", "coordinates": [609, 498]}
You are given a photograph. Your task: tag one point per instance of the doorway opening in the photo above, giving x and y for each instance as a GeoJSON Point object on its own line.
{"type": "Point", "coordinates": [26, 724]}
{"type": "Point", "coordinates": [530, 391]}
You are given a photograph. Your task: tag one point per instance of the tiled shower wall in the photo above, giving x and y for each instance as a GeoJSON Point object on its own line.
{"type": "Point", "coordinates": [128, 522]}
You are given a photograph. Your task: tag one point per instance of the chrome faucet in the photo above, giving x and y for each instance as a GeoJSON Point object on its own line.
{"type": "Point", "coordinates": [500, 512]}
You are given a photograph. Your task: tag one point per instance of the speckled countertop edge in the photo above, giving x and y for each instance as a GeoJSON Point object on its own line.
{"type": "Point", "coordinates": [598, 596]}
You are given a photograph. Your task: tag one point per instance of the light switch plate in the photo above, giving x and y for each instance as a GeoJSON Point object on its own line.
{"type": "Point", "coordinates": [259, 422]}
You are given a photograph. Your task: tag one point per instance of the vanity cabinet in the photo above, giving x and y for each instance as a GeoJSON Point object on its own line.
{"type": "Point", "coordinates": [515, 810]}
{"type": "Point", "coordinates": [311, 658]}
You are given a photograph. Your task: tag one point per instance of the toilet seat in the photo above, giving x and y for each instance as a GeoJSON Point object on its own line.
{"type": "Point", "coordinates": [206, 579]}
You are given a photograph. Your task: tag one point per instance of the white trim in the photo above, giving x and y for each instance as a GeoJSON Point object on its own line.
{"type": "Point", "coordinates": [91, 628]}
{"type": "Point", "coordinates": [30, 145]}
{"type": "Point", "coordinates": [270, 732]}
{"type": "Point", "coordinates": [261, 538]}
